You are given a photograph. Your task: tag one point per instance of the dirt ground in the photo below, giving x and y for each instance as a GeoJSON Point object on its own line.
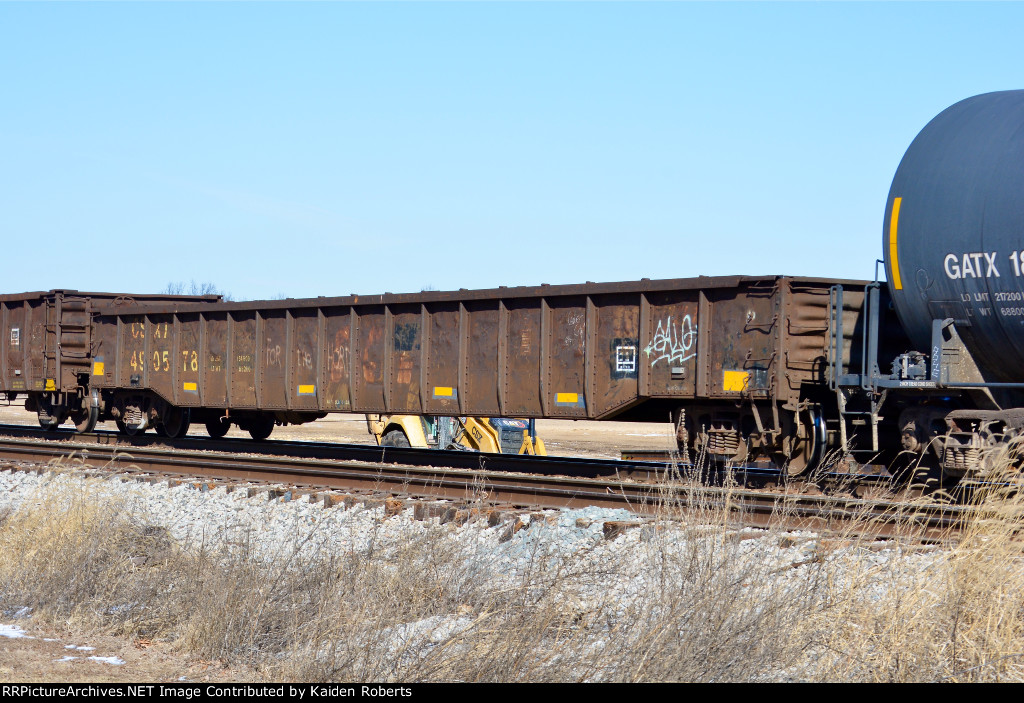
{"type": "Point", "coordinates": [561, 437]}
{"type": "Point", "coordinates": [45, 656]}
{"type": "Point", "coordinates": [34, 659]}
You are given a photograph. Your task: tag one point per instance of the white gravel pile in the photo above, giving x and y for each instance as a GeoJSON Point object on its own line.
{"type": "Point", "coordinates": [606, 576]}
{"type": "Point", "coordinates": [217, 517]}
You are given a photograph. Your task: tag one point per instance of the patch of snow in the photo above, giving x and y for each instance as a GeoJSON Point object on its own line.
{"type": "Point", "coordinates": [107, 660]}
{"type": "Point", "coordinates": [14, 632]}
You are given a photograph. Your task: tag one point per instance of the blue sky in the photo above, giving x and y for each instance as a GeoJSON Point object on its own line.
{"type": "Point", "coordinates": [332, 148]}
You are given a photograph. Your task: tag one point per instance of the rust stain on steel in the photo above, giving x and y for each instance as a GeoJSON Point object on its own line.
{"type": "Point", "coordinates": [242, 361]}
{"type": "Point", "coordinates": [337, 392]}
{"type": "Point", "coordinates": [478, 356]}
{"type": "Point", "coordinates": [50, 341]}
{"type": "Point", "coordinates": [368, 369]}
{"type": "Point", "coordinates": [185, 364]}
{"type": "Point", "coordinates": [630, 350]}
{"type": "Point", "coordinates": [565, 344]}
{"type": "Point", "coordinates": [522, 361]}
{"type": "Point", "coordinates": [406, 351]}
{"type": "Point", "coordinates": [275, 353]}
{"type": "Point", "coordinates": [214, 362]}
{"type": "Point", "coordinates": [441, 350]}
{"type": "Point", "coordinates": [304, 361]}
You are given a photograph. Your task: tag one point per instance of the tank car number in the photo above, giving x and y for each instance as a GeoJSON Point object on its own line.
{"type": "Point", "coordinates": [979, 264]}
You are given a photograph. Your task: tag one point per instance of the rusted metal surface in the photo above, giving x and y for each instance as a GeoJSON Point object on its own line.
{"type": "Point", "coordinates": [629, 350]}
{"type": "Point", "coordinates": [46, 337]}
{"type": "Point", "coordinates": [741, 365]}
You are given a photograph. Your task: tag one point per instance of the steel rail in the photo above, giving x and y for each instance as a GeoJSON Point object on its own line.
{"type": "Point", "coordinates": [486, 487]}
{"type": "Point", "coordinates": [653, 470]}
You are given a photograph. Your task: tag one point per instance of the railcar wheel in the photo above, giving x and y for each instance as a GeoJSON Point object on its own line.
{"type": "Point", "coordinates": [395, 438]}
{"type": "Point", "coordinates": [87, 413]}
{"type": "Point", "coordinates": [218, 428]}
{"type": "Point", "coordinates": [175, 423]}
{"type": "Point", "coordinates": [85, 419]}
{"type": "Point", "coordinates": [261, 427]}
{"type": "Point", "coordinates": [811, 451]}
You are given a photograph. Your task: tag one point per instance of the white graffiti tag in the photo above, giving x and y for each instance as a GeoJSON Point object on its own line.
{"type": "Point", "coordinates": [673, 342]}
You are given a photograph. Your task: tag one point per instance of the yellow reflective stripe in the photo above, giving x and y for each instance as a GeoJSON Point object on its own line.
{"type": "Point", "coordinates": [188, 386]}
{"type": "Point", "coordinates": [894, 258]}
{"type": "Point", "coordinates": [570, 399]}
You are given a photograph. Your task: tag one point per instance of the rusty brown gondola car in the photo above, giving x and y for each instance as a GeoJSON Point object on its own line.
{"type": "Point", "coordinates": [740, 364]}
{"type": "Point", "coordinates": [46, 354]}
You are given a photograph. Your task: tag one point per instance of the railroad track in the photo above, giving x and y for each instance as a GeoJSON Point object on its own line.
{"type": "Point", "coordinates": [652, 470]}
{"type": "Point", "coordinates": [646, 466]}
{"type": "Point", "coordinates": [487, 487]}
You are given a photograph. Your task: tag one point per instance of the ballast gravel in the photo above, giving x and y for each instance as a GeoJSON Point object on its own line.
{"type": "Point", "coordinates": [218, 517]}
{"type": "Point", "coordinates": [609, 575]}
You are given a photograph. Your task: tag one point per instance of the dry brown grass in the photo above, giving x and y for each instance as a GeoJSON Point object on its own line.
{"type": "Point", "coordinates": [693, 602]}
{"type": "Point", "coordinates": [959, 619]}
